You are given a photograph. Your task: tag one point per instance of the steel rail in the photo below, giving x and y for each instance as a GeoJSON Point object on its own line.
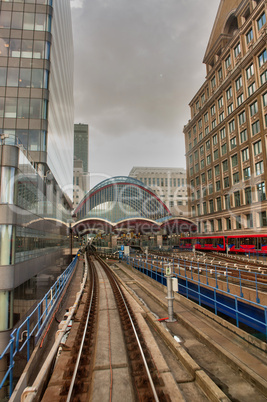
{"type": "Point", "coordinates": [71, 388]}
{"type": "Point", "coordinates": [135, 332]}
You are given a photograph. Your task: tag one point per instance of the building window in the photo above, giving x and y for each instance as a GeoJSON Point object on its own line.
{"type": "Point", "coordinates": [219, 223]}
{"type": "Point", "coordinates": [194, 130]}
{"type": "Point", "coordinates": [210, 188]}
{"type": "Point", "coordinates": [250, 71]}
{"type": "Point", "coordinates": [208, 159]}
{"type": "Point", "coordinates": [225, 165]}
{"type": "Point", "coordinates": [221, 117]}
{"type": "Point", "coordinates": [248, 195]}
{"type": "Point", "coordinates": [236, 178]}
{"type": "Point", "coordinates": [255, 127]}
{"type": "Point", "coordinates": [196, 167]}
{"type": "Point", "coordinates": [251, 89]}
{"type": "Point", "coordinates": [200, 124]}
{"type": "Point", "coordinates": [222, 133]}
{"type": "Point", "coordinates": [242, 118]}
{"type": "Point", "coordinates": [224, 149]}
{"type": "Point", "coordinates": [228, 224]}
{"type": "Point", "coordinates": [259, 169]}
{"type": "Point", "coordinates": [200, 136]}
{"type": "Point", "coordinates": [220, 102]}
{"type": "Point", "coordinates": [263, 219]}
{"type": "Point", "coordinates": [197, 181]}
{"type": "Point", "coordinates": [201, 149]}
{"type": "Point", "coordinates": [228, 62]}
{"type": "Point", "coordinates": [211, 206]}
{"type": "Point", "coordinates": [220, 74]}
{"type": "Point", "coordinates": [237, 198]}
{"type": "Point", "coordinates": [215, 139]}
{"type": "Point", "coordinates": [257, 148]}
{"type": "Point", "coordinates": [231, 126]}
{"type": "Point", "coordinates": [226, 183]}
{"type": "Point", "coordinates": [237, 49]}
{"type": "Point", "coordinates": [229, 93]}
{"type": "Point", "coordinates": [209, 174]}
{"type": "Point", "coordinates": [206, 117]}
{"type": "Point", "coordinates": [233, 142]}
{"type": "Point", "coordinates": [253, 108]}
{"type": "Point", "coordinates": [218, 185]}
{"type": "Point", "coordinates": [238, 222]}
{"type": "Point", "coordinates": [227, 201]}
{"type": "Point", "coordinates": [207, 129]}
{"type": "Point", "coordinates": [196, 156]}
{"type": "Point", "coordinates": [212, 110]}
{"type": "Point", "coordinates": [217, 170]}
{"type": "Point", "coordinates": [203, 178]}
{"type": "Point", "coordinates": [249, 220]}
{"type": "Point", "coordinates": [230, 108]}
{"type": "Point", "coordinates": [215, 154]}
{"type": "Point", "coordinates": [264, 99]}
{"type": "Point", "coordinates": [213, 82]}
{"type": "Point", "coordinates": [261, 191]}
{"type": "Point", "coordinates": [262, 58]}
{"type": "Point", "coordinates": [202, 164]}
{"type": "Point", "coordinates": [219, 203]}
{"type": "Point", "coordinates": [238, 83]}
{"type": "Point", "coordinates": [203, 98]}
{"type": "Point", "coordinates": [246, 173]}
{"type": "Point", "coordinates": [261, 21]}
{"type": "Point", "coordinates": [249, 36]}
{"type": "Point", "coordinates": [240, 99]}
{"type": "Point", "coordinates": [263, 77]}
{"type": "Point", "coordinates": [204, 208]}
{"type": "Point", "coordinates": [208, 145]}
{"type": "Point", "coordinates": [243, 136]}
{"type": "Point", "coordinates": [213, 124]}
{"type": "Point", "coordinates": [245, 154]}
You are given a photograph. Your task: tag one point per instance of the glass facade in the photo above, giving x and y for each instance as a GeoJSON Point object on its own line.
{"type": "Point", "coordinates": [122, 198]}
{"type": "Point", "coordinates": [36, 149]}
{"type": "Point", "coordinates": [34, 80]}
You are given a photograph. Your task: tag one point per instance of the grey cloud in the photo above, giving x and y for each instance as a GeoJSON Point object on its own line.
{"type": "Point", "coordinates": [137, 65]}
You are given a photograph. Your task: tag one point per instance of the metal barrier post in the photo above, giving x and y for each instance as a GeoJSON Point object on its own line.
{"type": "Point", "coordinates": [28, 340]}
{"type": "Point", "coordinates": [256, 288]}
{"type": "Point", "coordinates": [236, 312]}
{"type": "Point", "coordinates": [170, 296]}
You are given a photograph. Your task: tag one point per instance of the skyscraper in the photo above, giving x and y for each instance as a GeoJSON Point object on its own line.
{"type": "Point", "coordinates": [81, 143]}
{"type": "Point", "coordinates": [225, 137]}
{"type": "Point", "coordinates": [36, 152]}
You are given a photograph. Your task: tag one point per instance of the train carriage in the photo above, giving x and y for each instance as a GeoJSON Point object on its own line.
{"type": "Point", "coordinates": [247, 244]}
{"type": "Point", "coordinates": [203, 243]}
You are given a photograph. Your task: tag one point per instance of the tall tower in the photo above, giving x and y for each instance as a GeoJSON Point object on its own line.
{"type": "Point", "coordinates": [81, 143]}
{"type": "Point", "coordinates": [36, 149]}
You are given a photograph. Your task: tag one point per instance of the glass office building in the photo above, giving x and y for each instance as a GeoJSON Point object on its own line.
{"type": "Point", "coordinates": [36, 151]}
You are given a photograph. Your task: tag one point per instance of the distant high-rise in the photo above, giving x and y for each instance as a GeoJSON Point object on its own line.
{"type": "Point", "coordinates": [225, 138]}
{"type": "Point", "coordinates": [81, 143]}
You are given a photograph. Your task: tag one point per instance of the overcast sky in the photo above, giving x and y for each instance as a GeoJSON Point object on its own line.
{"type": "Point", "coordinates": [138, 63]}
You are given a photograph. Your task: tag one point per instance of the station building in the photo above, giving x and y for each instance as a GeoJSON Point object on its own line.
{"type": "Point", "coordinates": [169, 184]}
{"type": "Point", "coordinates": [36, 151]}
{"type": "Point", "coordinates": [124, 205]}
{"type": "Point", "coordinates": [225, 138]}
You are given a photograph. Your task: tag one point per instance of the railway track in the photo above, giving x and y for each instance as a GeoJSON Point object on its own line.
{"type": "Point", "coordinates": [79, 382]}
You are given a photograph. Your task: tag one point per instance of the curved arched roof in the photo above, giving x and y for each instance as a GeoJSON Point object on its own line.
{"type": "Point", "coordinates": [120, 198]}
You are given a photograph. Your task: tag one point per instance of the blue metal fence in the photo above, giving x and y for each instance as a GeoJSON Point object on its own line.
{"type": "Point", "coordinates": [33, 326]}
{"type": "Point", "coordinates": [252, 314]}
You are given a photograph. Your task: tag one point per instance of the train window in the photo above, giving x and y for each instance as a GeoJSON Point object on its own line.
{"type": "Point", "coordinates": [263, 241]}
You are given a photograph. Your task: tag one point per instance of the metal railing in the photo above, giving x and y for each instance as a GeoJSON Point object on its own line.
{"type": "Point", "coordinates": [33, 326]}
{"type": "Point", "coordinates": [205, 294]}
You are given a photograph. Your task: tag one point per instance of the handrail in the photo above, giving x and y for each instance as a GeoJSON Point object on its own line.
{"type": "Point", "coordinates": [30, 393]}
{"type": "Point", "coordinates": [160, 271]}
{"type": "Point", "coordinates": [48, 303]}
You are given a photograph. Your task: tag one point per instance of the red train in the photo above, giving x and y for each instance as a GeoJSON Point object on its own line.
{"type": "Point", "coordinates": [235, 244]}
